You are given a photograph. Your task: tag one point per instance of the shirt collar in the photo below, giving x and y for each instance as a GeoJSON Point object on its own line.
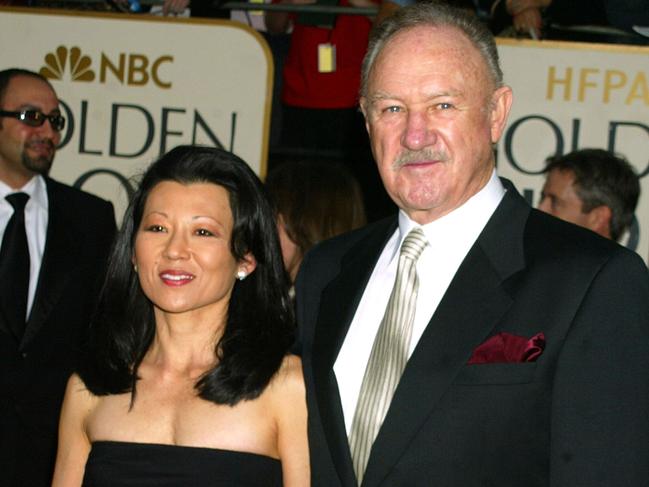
{"type": "Point", "coordinates": [461, 225]}
{"type": "Point", "coordinates": [35, 188]}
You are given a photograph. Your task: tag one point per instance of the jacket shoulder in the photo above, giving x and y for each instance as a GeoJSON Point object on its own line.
{"type": "Point", "coordinates": [554, 243]}
{"type": "Point", "coordinates": [547, 234]}
{"type": "Point", "coordinates": [336, 247]}
{"type": "Point", "coordinates": [324, 261]}
{"type": "Point", "coordinates": [77, 198]}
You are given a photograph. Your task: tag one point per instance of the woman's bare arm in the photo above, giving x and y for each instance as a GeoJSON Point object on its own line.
{"type": "Point", "coordinates": [74, 444]}
{"type": "Point", "coordinates": [291, 416]}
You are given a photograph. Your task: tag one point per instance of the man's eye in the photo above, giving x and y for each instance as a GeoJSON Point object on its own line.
{"type": "Point", "coordinates": [202, 232]}
{"type": "Point", "coordinates": [444, 106]}
{"type": "Point", "coordinates": [392, 109]}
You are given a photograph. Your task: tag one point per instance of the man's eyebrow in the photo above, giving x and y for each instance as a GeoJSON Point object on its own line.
{"type": "Point", "coordinates": [379, 96]}
{"type": "Point", "coordinates": [29, 106]}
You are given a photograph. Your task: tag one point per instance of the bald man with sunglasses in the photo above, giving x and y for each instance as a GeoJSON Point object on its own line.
{"type": "Point", "coordinates": [54, 240]}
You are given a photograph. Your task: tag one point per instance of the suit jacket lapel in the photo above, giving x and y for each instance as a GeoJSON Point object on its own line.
{"type": "Point", "coordinates": [471, 307]}
{"type": "Point", "coordinates": [58, 260]}
{"type": "Point", "coordinates": [337, 307]}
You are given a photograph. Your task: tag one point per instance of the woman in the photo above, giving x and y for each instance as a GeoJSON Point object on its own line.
{"type": "Point", "coordinates": [187, 380]}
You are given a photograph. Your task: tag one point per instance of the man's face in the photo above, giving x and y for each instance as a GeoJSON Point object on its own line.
{"type": "Point", "coordinates": [560, 199]}
{"type": "Point", "coordinates": [24, 150]}
{"type": "Point", "coordinates": [432, 115]}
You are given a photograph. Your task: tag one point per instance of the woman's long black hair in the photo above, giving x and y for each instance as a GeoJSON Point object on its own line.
{"type": "Point", "coordinates": [259, 328]}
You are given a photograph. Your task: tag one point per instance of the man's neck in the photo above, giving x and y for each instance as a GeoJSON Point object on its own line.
{"type": "Point", "coordinates": [15, 180]}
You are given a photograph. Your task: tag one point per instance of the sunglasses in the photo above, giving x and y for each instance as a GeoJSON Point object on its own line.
{"type": "Point", "coordinates": [34, 118]}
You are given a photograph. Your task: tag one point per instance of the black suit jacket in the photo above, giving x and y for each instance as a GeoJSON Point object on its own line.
{"type": "Point", "coordinates": [578, 416]}
{"type": "Point", "coordinates": [34, 372]}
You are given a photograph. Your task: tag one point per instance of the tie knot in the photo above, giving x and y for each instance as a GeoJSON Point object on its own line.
{"type": "Point", "coordinates": [18, 201]}
{"type": "Point", "coordinates": [414, 243]}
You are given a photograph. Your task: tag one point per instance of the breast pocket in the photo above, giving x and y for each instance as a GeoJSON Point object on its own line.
{"type": "Point", "coordinates": [484, 374]}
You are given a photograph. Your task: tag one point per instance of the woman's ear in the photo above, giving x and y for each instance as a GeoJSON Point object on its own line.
{"type": "Point", "coordinates": [246, 266]}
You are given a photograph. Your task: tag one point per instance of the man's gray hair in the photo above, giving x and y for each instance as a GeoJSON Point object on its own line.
{"type": "Point", "coordinates": [602, 178]}
{"type": "Point", "coordinates": [434, 15]}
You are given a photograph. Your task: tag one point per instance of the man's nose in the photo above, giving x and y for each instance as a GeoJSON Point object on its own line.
{"type": "Point", "coordinates": [418, 132]}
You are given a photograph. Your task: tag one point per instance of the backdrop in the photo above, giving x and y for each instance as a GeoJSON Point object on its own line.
{"type": "Point", "coordinates": [133, 87]}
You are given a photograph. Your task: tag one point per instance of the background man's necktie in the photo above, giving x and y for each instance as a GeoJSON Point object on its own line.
{"type": "Point", "coordinates": [389, 354]}
{"type": "Point", "coordinates": [14, 267]}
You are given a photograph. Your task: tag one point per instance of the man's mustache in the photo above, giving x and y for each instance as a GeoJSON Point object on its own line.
{"type": "Point", "coordinates": [409, 156]}
{"type": "Point", "coordinates": [44, 141]}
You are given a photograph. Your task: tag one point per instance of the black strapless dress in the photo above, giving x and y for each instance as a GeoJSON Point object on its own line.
{"type": "Point", "coordinates": [122, 464]}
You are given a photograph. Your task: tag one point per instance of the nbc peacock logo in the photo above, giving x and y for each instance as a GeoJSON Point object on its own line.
{"type": "Point", "coordinates": [130, 69]}
{"type": "Point", "coordinates": [79, 65]}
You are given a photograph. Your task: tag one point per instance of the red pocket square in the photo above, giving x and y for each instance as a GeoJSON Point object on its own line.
{"type": "Point", "coordinates": [505, 348]}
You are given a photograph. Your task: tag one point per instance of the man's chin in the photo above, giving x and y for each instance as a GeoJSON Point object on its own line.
{"type": "Point", "coordinates": [39, 164]}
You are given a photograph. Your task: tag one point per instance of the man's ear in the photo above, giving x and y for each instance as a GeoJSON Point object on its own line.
{"type": "Point", "coordinates": [599, 220]}
{"type": "Point", "coordinates": [501, 103]}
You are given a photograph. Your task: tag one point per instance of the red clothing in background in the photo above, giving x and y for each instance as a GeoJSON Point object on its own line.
{"type": "Point", "coordinates": [304, 86]}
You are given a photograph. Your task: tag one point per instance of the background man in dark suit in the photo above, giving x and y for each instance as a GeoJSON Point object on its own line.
{"type": "Point", "coordinates": [526, 350]}
{"type": "Point", "coordinates": [44, 312]}
{"type": "Point", "coordinates": [592, 188]}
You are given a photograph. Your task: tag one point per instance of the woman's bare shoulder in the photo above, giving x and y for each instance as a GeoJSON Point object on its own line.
{"type": "Point", "coordinates": [79, 396]}
{"type": "Point", "coordinates": [292, 363]}
{"type": "Point", "coordinates": [289, 379]}
{"type": "Point", "coordinates": [77, 386]}
{"type": "Point", "coordinates": [291, 421]}
{"type": "Point", "coordinates": [291, 368]}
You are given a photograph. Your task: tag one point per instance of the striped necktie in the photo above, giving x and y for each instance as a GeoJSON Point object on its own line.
{"type": "Point", "coordinates": [389, 354]}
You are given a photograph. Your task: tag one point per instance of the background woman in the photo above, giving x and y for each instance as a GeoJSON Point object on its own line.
{"type": "Point", "coordinates": [313, 200]}
{"type": "Point", "coordinates": [187, 380]}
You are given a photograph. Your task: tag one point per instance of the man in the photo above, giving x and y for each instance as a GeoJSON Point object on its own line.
{"type": "Point", "coordinates": [592, 188]}
{"type": "Point", "coordinates": [64, 235]}
{"type": "Point", "coordinates": [527, 345]}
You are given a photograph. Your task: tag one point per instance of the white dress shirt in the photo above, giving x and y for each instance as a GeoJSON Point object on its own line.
{"type": "Point", "coordinates": [449, 240]}
{"type": "Point", "coordinates": [36, 217]}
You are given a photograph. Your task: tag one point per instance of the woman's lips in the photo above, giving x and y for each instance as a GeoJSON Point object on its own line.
{"type": "Point", "coordinates": [176, 277]}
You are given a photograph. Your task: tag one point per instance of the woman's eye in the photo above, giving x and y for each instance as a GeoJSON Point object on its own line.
{"type": "Point", "coordinates": [155, 228]}
{"type": "Point", "coordinates": [202, 232]}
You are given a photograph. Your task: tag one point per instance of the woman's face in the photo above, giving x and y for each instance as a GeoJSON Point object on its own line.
{"type": "Point", "coordinates": [182, 248]}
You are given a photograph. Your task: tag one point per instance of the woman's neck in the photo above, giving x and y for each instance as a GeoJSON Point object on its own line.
{"type": "Point", "coordinates": [185, 343]}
